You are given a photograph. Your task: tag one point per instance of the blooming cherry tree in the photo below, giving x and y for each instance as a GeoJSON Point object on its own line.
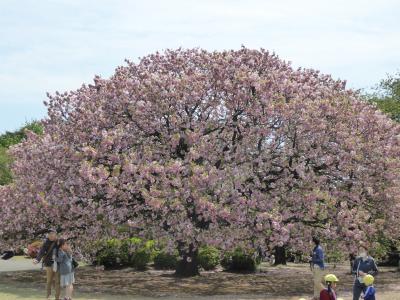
{"type": "Point", "coordinates": [220, 148]}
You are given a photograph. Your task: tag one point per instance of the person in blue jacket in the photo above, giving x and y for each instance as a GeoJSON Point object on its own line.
{"type": "Point", "coordinates": [363, 265]}
{"type": "Point", "coordinates": [318, 266]}
{"type": "Point", "coordinates": [63, 257]}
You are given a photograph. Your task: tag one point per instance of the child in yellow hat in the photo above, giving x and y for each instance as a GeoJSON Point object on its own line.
{"type": "Point", "coordinates": [329, 292]}
{"type": "Point", "coordinates": [369, 293]}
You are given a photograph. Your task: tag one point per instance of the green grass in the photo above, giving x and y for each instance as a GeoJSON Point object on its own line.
{"type": "Point", "coordinates": [19, 293]}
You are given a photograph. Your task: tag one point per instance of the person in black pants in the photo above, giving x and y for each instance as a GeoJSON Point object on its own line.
{"type": "Point", "coordinates": [363, 265]}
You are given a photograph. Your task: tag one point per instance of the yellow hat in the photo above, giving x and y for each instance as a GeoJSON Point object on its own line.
{"type": "Point", "coordinates": [331, 278]}
{"type": "Point", "coordinates": [368, 280]}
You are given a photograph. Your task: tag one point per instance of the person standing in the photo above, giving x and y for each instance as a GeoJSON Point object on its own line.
{"type": "Point", "coordinates": [63, 255]}
{"type": "Point", "coordinates": [318, 266]}
{"type": "Point", "coordinates": [363, 265]}
{"type": "Point", "coordinates": [46, 256]}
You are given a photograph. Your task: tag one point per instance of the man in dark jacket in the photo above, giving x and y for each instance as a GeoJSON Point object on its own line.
{"type": "Point", "coordinates": [363, 265]}
{"type": "Point", "coordinates": [46, 256]}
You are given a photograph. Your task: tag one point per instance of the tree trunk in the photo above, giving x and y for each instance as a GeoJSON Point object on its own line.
{"type": "Point", "coordinates": [280, 256]}
{"type": "Point", "coordinates": [188, 265]}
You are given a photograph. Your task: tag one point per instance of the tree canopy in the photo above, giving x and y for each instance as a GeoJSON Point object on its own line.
{"type": "Point", "coordinates": [219, 148]}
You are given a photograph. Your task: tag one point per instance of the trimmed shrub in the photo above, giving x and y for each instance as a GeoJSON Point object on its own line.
{"type": "Point", "coordinates": [133, 252]}
{"type": "Point", "coordinates": [239, 260]}
{"type": "Point", "coordinates": [208, 258]}
{"type": "Point", "coordinates": [110, 254]}
{"type": "Point", "coordinates": [226, 260]}
{"type": "Point", "coordinates": [142, 254]}
{"type": "Point", "coordinates": [165, 261]}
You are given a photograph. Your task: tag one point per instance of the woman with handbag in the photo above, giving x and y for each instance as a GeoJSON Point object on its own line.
{"type": "Point", "coordinates": [63, 256]}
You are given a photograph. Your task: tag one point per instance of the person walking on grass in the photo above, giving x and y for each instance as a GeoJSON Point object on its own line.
{"type": "Point", "coordinates": [363, 265]}
{"type": "Point", "coordinates": [45, 255]}
{"type": "Point", "coordinates": [318, 266]}
{"type": "Point", "coordinates": [63, 256]}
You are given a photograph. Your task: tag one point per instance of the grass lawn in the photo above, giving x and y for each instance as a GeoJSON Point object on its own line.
{"type": "Point", "coordinates": [26, 293]}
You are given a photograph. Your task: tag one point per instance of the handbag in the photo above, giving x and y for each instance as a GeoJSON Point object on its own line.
{"type": "Point", "coordinates": [55, 264]}
{"type": "Point", "coordinates": [55, 267]}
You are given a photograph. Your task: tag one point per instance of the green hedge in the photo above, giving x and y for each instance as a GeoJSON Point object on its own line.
{"type": "Point", "coordinates": [239, 260]}
{"type": "Point", "coordinates": [208, 258]}
{"type": "Point", "coordinates": [110, 255]}
{"type": "Point", "coordinates": [132, 252]}
{"type": "Point", "coordinates": [165, 261]}
{"type": "Point", "coordinates": [139, 252]}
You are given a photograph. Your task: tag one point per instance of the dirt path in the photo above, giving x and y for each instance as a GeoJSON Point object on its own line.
{"type": "Point", "coordinates": [273, 283]}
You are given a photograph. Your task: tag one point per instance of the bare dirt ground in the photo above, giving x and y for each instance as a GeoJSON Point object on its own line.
{"type": "Point", "coordinates": [273, 283]}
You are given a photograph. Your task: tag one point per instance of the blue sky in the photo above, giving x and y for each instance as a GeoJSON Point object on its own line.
{"type": "Point", "coordinates": [48, 46]}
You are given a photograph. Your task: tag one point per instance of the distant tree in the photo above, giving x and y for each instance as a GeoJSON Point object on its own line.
{"type": "Point", "coordinates": [387, 96]}
{"type": "Point", "coordinates": [14, 137]}
{"type": "Point", "coordinates": [7, 140]}
{"type": "Point", "coordinates": [5, 173]}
